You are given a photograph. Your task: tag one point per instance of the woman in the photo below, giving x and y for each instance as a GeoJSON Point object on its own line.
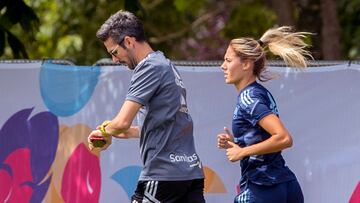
{"type": "Point", "coordinates": [259, 135]}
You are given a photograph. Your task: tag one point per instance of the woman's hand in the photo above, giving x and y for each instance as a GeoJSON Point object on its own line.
{"type": "Point", "coordinates": [224, 138]}
{"type": "Point", "coordinates": [234, 152]}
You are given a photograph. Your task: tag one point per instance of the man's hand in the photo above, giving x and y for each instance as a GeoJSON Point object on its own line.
{"type": "Point", "coordinates": [96, 134]}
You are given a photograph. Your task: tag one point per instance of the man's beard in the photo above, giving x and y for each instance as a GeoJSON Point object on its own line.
{"type": "Point", "coordinates": [132, 61]}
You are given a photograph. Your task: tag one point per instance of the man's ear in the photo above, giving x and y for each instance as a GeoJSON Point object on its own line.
{"type": "Point", "coordinates": [128, 41]}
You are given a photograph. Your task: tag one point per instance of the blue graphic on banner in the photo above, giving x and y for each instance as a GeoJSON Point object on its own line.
{"type": "Point", "coordinates": [127, 177]}
{"type": "Point", "coordinates": [66, 89]}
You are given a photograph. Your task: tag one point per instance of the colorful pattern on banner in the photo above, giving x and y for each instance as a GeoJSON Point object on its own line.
{"type": "Point", "coordinates": [48, 110]}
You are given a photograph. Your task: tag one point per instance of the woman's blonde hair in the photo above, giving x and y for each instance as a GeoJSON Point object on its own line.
{"type": "Point", "coordinates": [280, 41]}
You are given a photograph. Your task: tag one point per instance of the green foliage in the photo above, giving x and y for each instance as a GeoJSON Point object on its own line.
{"type": "Point", "coordinates": [350, 20]}
{"type": "Point", "coordinates": [182, 29]}
{"type": "Point", "coordinates": [68, 29]}
{"type": "Point", "coordinates": [13, 13]}
{"type": "Point", "coordinates": [189, 6]}
{"type": "Point", "coordinates": [250, 19]}
{"type": "Point", "coordinates": [170, 21]}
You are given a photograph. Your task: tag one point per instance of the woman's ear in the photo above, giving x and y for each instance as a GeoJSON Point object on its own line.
{"type": "Point", "coordinates": [247, 64]}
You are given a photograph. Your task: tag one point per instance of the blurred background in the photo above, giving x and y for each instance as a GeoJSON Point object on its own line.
{"type": "Point", "coordinates": [182, 29]}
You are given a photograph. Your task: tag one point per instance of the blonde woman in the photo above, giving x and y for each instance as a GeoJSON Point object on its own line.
{"type": "Point", "coordinates": [258, 133]}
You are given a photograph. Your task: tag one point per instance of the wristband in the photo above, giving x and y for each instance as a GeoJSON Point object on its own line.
{"type": "Point", "coordinates": [102, 128]}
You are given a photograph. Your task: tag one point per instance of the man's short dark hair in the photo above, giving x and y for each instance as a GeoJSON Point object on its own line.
{"type": "Point", "coordinates": [119, 25]}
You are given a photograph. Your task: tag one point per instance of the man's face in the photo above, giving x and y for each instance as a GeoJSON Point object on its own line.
{"type": "Point", "coordinates": [119, 54]}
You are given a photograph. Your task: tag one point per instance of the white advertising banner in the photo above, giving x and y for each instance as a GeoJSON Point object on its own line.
{"type": "Point", "coordinates": [48, 110]}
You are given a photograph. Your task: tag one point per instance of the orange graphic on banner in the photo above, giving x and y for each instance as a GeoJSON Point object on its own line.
{"type": "Point", "coordinates": [213, 183]}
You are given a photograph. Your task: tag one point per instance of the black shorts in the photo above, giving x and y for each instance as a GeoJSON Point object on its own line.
{"type": "Point", "coordinates": [187, 191]}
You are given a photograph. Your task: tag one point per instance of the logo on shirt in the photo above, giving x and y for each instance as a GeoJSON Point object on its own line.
{"type": "Point", "coordinates": [273, 106]}
{"type": "Point", "coordinates": [185, 158]}
{"type": "Point", "coordinates": [180, 83]}
{"type": "Point", "coordinates": [245, 98]}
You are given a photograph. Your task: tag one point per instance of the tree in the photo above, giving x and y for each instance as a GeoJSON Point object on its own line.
{"type": "Point", "coordinates": [330, 30]}
{"type": "Point", "coordinates": [182, 29]}
{"type": "Point", "coordinates": [285, 12]}
{"type": "Point", "coordinates": [350, 20]}
{"type": "Point", "coordinates": [16, 12]}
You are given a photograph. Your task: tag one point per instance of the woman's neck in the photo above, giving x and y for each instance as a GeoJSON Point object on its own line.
{"type": "Point", "coordinates": [244, 83]}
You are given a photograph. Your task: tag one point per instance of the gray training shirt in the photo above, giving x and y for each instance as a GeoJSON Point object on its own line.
{"type": "Point", "coordinates": [166, 140]}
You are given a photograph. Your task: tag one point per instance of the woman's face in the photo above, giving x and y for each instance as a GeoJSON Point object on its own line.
{"type": "Point", "coordinates": [232, 67]}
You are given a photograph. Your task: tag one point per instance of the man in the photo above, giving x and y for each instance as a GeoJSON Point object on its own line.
{"type": "Point", "coordinates": [172, 169]}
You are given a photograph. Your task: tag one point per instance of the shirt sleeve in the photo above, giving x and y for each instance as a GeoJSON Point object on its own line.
{"type": "Point", "coordinates": [144, 84]}
{"type": "Point", "coordinates": [255, 105]}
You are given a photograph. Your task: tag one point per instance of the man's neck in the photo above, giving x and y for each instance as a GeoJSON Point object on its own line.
{"type": "Point", "coordinates": [142, 50]}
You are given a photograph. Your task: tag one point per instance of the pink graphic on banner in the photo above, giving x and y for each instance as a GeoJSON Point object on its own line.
{"type": "Point", "coordinates": [15, 179]}
{"type": "Point", "coordinates": [81, 180]}
{"type": "Point", "coordinates": [24, 161]}
{"type": "Point", "coordinates": [355, 197]}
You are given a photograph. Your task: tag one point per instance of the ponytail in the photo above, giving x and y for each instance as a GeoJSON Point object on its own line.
{"type": "Point", "coordinates": [288, 45]}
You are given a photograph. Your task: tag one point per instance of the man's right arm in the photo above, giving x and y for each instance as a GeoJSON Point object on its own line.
{"type": "Point", "coordinates": [132, 132]}
{"type": "Point", "coordinates": [120, 126]}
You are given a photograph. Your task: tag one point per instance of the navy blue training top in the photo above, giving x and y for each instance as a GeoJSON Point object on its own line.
{"type": "Point", "coordinates": [254, 102]}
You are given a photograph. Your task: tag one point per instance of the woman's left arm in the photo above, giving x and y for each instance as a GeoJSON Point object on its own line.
{"type": "Point", "coordinates": [280, 139]}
